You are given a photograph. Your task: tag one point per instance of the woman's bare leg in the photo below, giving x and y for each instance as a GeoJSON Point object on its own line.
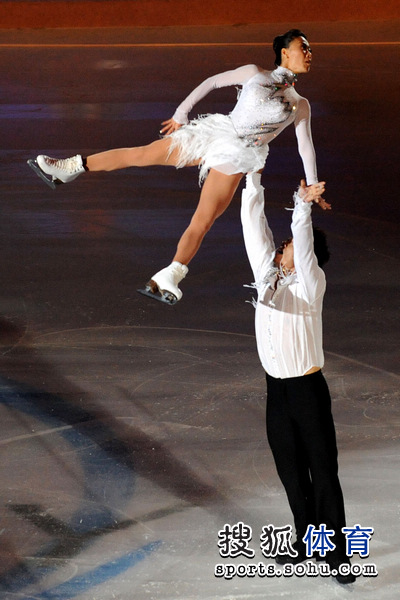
{"type": "Point", "coordinates": [65, 170]}
{"type": "Point", "coordinates": [215, 197]}
{"type": "Point", "coordinates": [156, 153]}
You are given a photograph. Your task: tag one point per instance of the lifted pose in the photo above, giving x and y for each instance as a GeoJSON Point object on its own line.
{"type": "Point", "coordinates": [223, 146]}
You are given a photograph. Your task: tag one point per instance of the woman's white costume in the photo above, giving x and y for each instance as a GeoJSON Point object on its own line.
{"type": "Point", "coordinates": [238, 142]}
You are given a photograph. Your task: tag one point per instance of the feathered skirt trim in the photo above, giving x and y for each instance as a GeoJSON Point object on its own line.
{"type": "Point", "coordinates": [212, 139]}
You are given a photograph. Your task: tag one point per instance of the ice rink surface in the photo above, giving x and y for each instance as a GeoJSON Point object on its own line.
{"type": "Point", "coordinates": [131, 432]}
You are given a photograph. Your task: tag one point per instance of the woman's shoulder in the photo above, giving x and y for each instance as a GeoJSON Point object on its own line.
{"type": "Point", "coordinates": [303, 103]}
{"type": "Point", "coordinates": [253, 69]}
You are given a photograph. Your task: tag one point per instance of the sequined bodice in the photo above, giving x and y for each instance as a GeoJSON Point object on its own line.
{"type": "Point", "coordinates": [264, 107]}
{"type": "Point", "coordinates": [267, 104]}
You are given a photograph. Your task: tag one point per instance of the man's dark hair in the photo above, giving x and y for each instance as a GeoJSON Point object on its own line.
{"type": "Point", "coordinates": [284, 41]}
{"type": "Point", "coordinates": [321, 249]}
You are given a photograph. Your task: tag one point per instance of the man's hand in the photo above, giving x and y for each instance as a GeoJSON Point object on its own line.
{"type": "Point", "coordinates": [312, 193]}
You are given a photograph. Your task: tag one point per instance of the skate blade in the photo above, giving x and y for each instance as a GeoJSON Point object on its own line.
{"type": "Point", "coordinates": [53, 183]}
{"type": "Point", "coordinates": [151, 291]}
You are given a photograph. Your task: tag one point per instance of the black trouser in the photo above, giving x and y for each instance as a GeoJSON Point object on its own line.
{"type": "Point", "coordinates": [302, 437]}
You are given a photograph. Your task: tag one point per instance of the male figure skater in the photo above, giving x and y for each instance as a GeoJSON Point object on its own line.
{"type": "Point", "coordinates": [288, 322]}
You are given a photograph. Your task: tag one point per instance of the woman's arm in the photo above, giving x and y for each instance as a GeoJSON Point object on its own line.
{"type": "Point", "coordinates": [234, 77]}
{"type": "Point", "coordinates": [302, 124]}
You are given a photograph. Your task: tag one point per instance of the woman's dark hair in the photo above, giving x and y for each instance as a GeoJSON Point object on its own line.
{"type": "Point", "coordinates": [283, 41]}
{"type": "Point", "coordinates": [321, 249]}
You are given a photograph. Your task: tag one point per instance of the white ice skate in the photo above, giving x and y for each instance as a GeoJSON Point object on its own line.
{"type": "Point", "coordinates": [55, 171]}
{"type": "Point", "coordinates": [163, 286]}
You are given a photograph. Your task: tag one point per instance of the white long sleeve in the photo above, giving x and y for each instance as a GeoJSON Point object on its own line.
{"type": "Point", "coordinates": [257, 235]}
{"type": "Point", "coordinates": [267, 104]}
{"type": "Point", "coordinates": [309, 275]}
{"type": "Point", "coordinates": [288, 319]}
{"type": "Point", "coordinates": [234, 77]}
{"type": "Point", "coordinates": [305, 144]}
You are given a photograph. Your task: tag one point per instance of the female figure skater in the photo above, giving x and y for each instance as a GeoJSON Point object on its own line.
{"type": "Point", "coordinates": [223, 146]}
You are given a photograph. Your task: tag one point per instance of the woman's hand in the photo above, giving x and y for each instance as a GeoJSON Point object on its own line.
{"type": "Point", "coordinates": [312, 193]}
{"type": "Point", "coordinates": [169, 126]}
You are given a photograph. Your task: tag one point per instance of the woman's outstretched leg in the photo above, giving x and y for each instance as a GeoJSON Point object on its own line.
{"type": "Point", "coordinates": [215, 197]}
{"type": "Point", "coordinates": [65, 170]}
{"type": "Point", "coordinates": [156, 153]}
